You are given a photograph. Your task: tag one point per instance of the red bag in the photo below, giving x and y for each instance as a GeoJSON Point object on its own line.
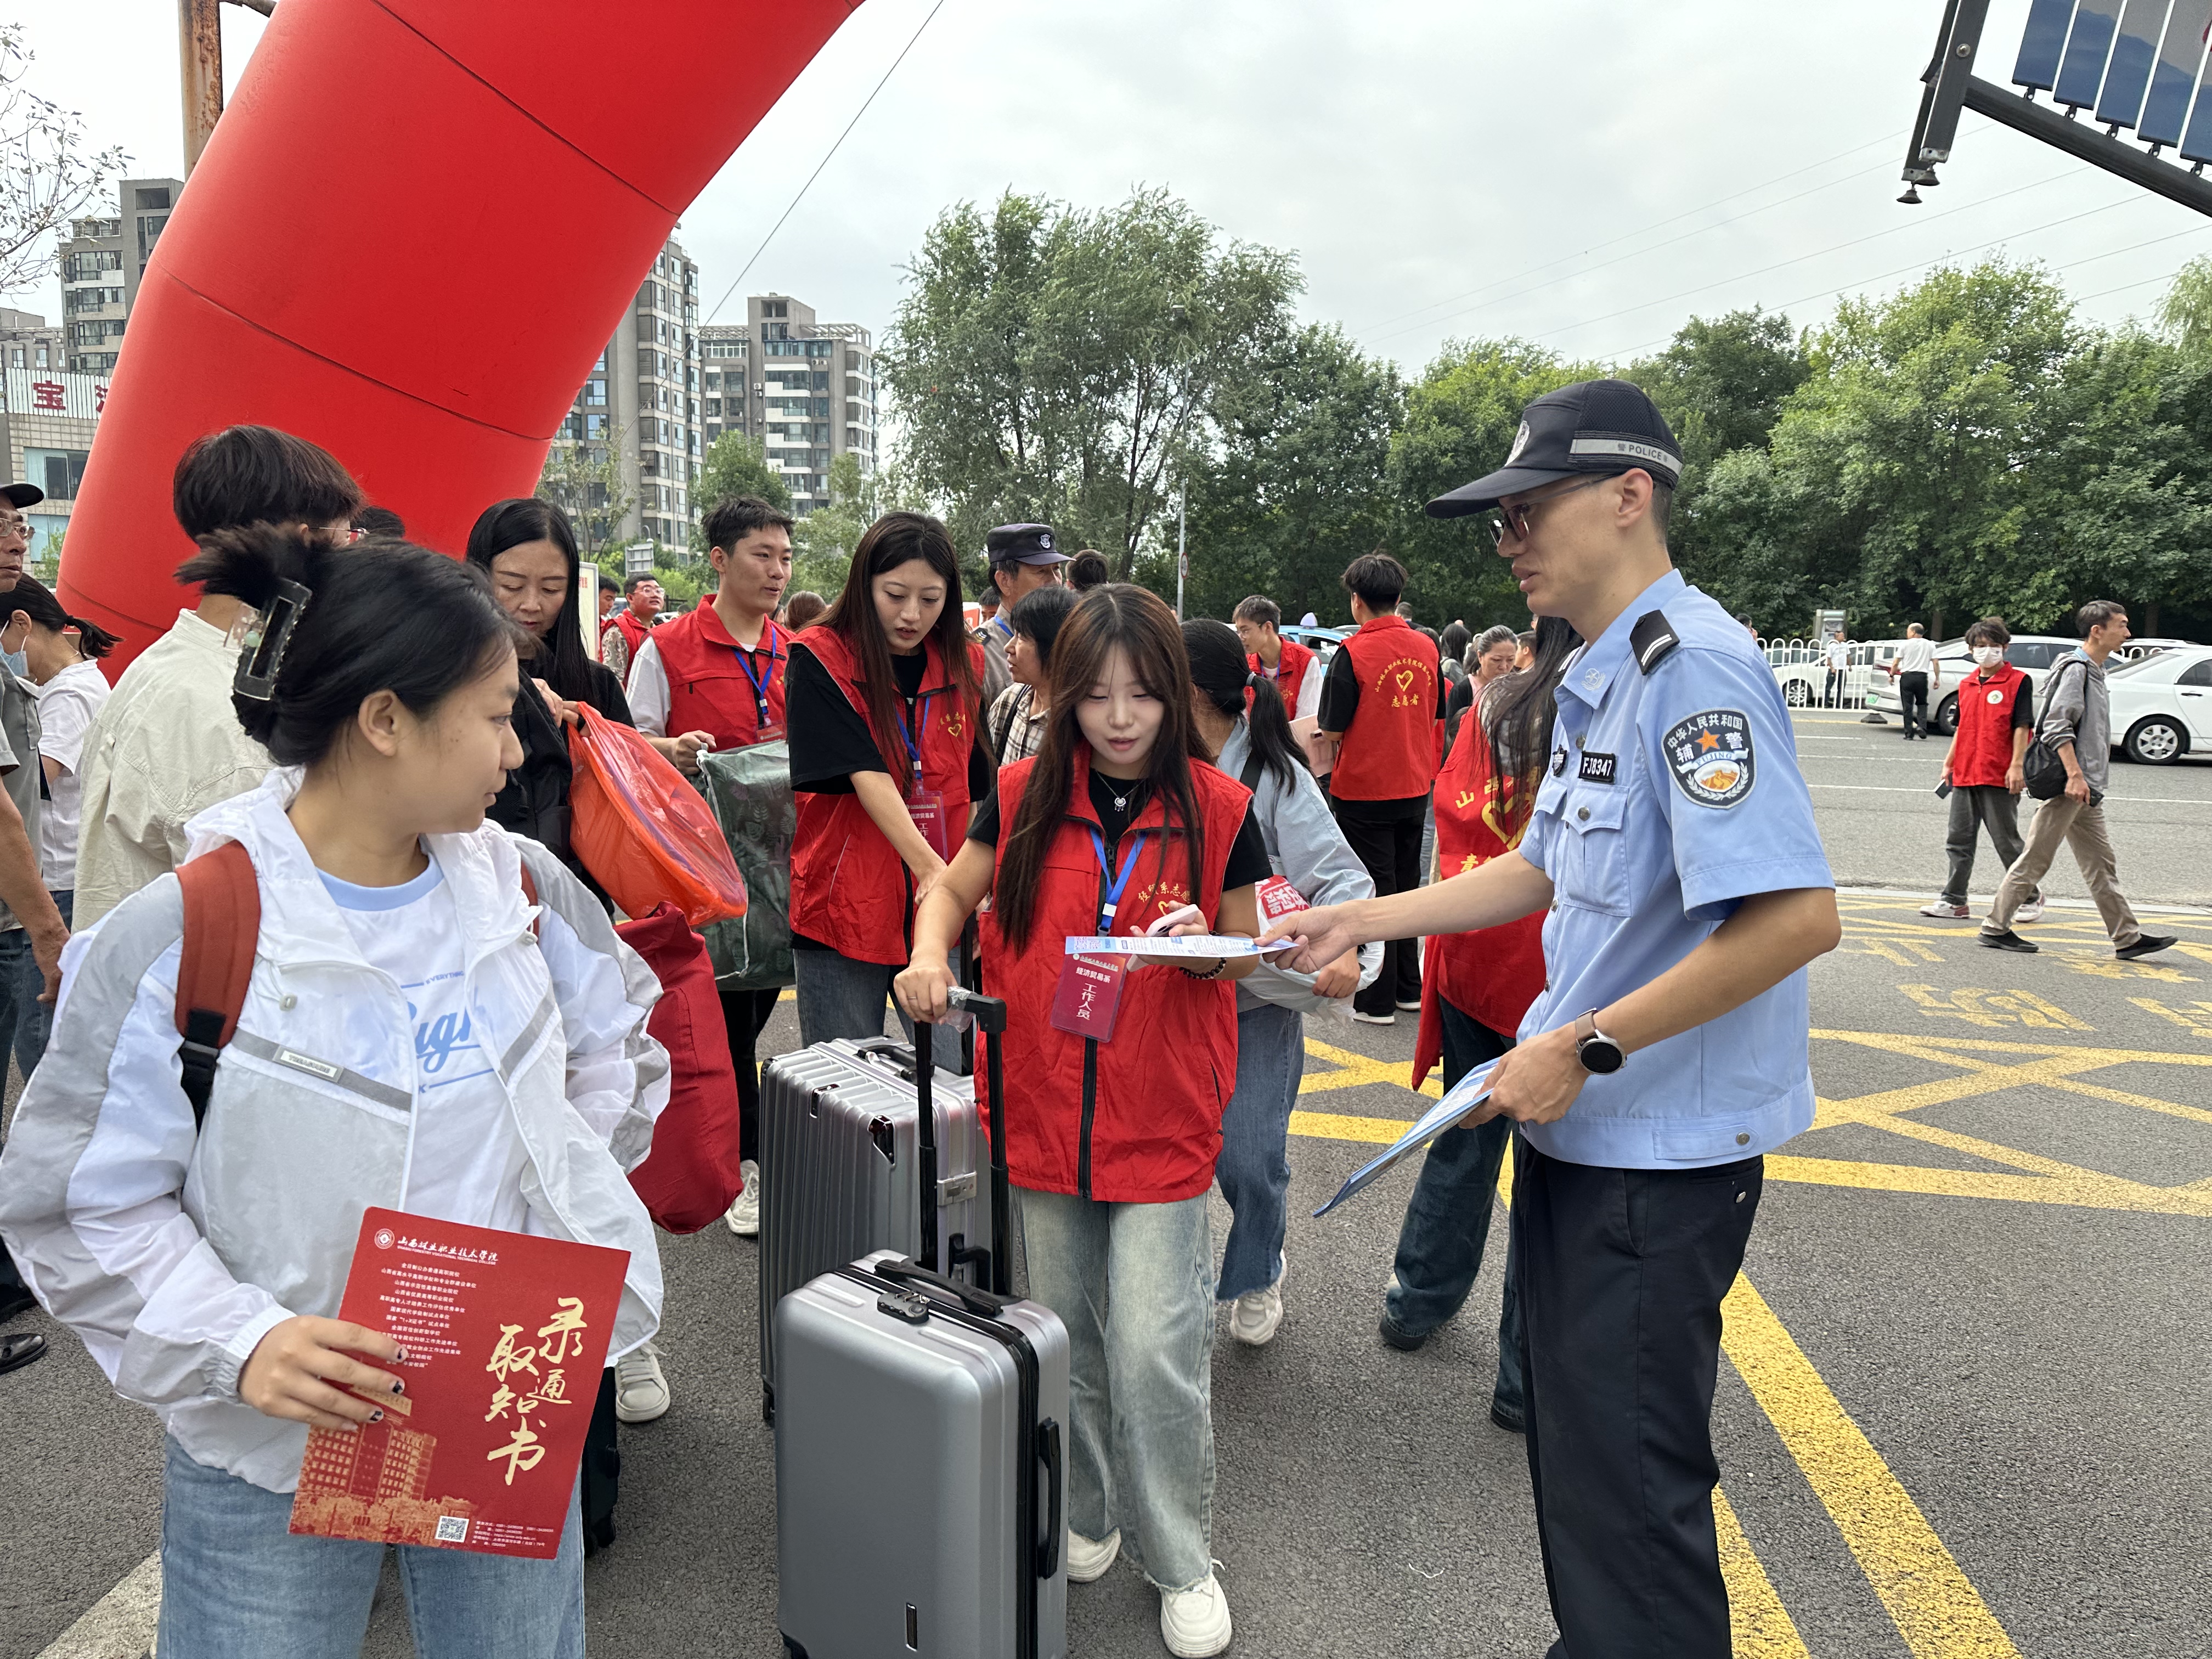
{"type": "Point", "coordinates": [691, 1174]}
{"type": "Point", "coordinates": [644, 830]}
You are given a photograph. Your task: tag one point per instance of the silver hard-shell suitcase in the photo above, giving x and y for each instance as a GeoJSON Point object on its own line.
{"type": "Point", "coordinates": [838, 1154]}
{"type": "Point", "coordinates": [920, 1478]}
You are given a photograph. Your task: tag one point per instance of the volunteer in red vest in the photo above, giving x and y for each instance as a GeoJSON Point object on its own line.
{"type": "Point", "coordinates": [714, 679]}
{"type": "Point", "coordinates": [1383, 702]}
{"type": "Point", "coordinates": [887, 756]}
{"type": "Point", "coordinates": [625, 635]}
{"type": "Point", "coordinates": [1984, 766]}
{"type": "Point", "coordinates": [1116, 1071]}
{"type": "Point", "coordinates": [1477, 987]}
{"type": "Point", "coordinates": [1259, 623]}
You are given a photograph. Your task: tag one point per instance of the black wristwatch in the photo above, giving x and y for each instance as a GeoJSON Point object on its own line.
{"type": "Point", "coordinates": [1598, 1053]}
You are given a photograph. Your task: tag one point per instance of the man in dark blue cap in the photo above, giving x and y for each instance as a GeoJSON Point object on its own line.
{"type": "Point", "coordinates": [1023, 557]}
{"type": "Point", "coordinates": [1672, 848]}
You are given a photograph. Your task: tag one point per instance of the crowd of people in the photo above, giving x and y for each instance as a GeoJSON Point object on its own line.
{"type": "Point", "coordinates": [1576, 852]}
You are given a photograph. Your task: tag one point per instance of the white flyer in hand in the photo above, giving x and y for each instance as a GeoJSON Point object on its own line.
{"type": "Point", "coordinates": [1469, 1092]}
{"type": "Point", "coordinates": [1199, 946]}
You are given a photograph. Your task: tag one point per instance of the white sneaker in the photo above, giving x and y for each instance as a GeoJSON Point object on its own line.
{"type": "Point", "coordinates": [1195, 1623]}
{"type": "Point", "coordinates": [1374, 1019]}
{"type": "Point", "coordinates": [641, 1391]}
{"type": "Point", "coordinates": [745, 1209]}
{"type": "Point", "coordinates": [1088, 1561]}
{"type": "Point", "coordinates": [1413, 1007]}
{"type": "Point", "coordinates": [1254, 1318]}
{"type": "Point", "coordinates": [1948, 912]}
{"type": "Point", "coordinates": [2031, 911]}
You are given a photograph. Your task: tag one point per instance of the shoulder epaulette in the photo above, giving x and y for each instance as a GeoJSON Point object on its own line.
{"type": "Point", "coordinates": [1651, 638]}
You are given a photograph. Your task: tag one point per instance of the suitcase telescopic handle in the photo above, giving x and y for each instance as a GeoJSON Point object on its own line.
{"type": "Point", "coordinates": [925, 1130]}
{"type": "Point", "coordinates": [990, 1013]}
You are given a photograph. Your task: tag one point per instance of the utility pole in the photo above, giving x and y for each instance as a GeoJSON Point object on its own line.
{"type": "Point", "coordinates": [199, 60]}
{"type": "Point", "coordinates": [1183, 552]}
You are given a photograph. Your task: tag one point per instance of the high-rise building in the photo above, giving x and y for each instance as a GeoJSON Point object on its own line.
{"type": "Point", "coordinates": [48, 416]}
{"type": "Point", "coordinates": [102, 262]}
{"type": "Point", "coordinates": [638, 408]}
{"type": "Point", "coordinates": [805, 389]}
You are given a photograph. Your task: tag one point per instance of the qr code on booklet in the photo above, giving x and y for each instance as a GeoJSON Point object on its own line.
{"type": "Point", "coordinates": [453, 1530]}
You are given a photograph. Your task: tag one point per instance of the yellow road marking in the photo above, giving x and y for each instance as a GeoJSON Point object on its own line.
{"type": "Point", "coordinates": [1761, 1626]}
{"type": "Point", "coordinates": [1938, 1612]}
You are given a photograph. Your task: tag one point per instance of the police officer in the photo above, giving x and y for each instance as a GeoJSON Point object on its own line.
{"type": "Point", "coordinates": [1022, 557]}
{"type": "Point", "coordinates": [1673, 845]}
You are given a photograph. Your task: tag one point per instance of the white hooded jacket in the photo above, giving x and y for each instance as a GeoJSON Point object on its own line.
{"type": "Point", "coordinates": [173, 1253]}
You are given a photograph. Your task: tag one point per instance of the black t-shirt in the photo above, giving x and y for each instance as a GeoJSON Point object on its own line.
{"type": "Point", "coordinates": [829, 739]}
{"type": "Point", "coordinates": [1247, 855]}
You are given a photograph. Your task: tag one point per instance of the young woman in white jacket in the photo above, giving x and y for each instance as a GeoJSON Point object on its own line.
{"type": "Point", "coordinates": [415, 1036]}
{"type": "Point", "coordinates": [1309, 851]}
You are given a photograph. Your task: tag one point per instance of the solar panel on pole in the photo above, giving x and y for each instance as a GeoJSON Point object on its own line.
{"type": "Point", "coordinates": [2135, 48]}
{"type": "Point", "coordinates": [2197, 138]}
{"type": "Point", "coordinates": [2082, 71]}
{"type": "Point", "coordinates": [2043, 42]}
{"type": "Point", "coordinates": [2174, 76]}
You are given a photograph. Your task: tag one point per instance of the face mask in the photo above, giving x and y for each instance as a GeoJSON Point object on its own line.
{"type": "Point", "coordinates": [1989, 655]}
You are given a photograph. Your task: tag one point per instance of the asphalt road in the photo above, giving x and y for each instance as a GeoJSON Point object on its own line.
{"type": "Point", "coordinates": [1962, 1415]}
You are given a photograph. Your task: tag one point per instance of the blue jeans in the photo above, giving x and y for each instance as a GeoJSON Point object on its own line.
{"type": "Point", "coordinates": [26, 1022]}
{"type": "Point", "coordinates": [235, 1584]}
{"type": "Point", "coordinates": [1133, 1284]}
{"type": "Point", "coordinates": [1447, 1225]}
{"type": "Point", "coordinates": [1255, 1166]}
{"type": "Point", "coordinates": [839, 997]}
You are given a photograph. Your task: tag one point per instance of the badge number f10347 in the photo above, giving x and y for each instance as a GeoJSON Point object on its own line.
{"type": "Point", "coordinates": [1710, 755]}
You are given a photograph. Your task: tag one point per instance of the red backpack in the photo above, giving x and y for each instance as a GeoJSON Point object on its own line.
{"type": "Point", "coordinates": [691, 1174]}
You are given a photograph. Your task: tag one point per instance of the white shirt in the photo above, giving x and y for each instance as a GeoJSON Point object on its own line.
{"type": "Point", "coordinates": [67, 703]}
{"type": "Point", "coordinates": [649, 691]}
{"type": "Point", "coordinates": [468, 1156]}
{"type": "Point", "coordinates": [1839, 655]}
{"type": "Point", "coordinates": [1916, 656]}
{"type": "Point", "coordinates": [165, 746]}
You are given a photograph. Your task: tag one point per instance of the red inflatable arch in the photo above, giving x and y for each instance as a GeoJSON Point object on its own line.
{"type": "Point", "coordinates": [413, 231]}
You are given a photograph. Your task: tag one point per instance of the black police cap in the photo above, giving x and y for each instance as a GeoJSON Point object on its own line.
{"type": "Point", "coordinates": [1590, 428]}
{"type": "Point", "coordinates": [1024, 544]}
{"type": "Point", "coordinates": [22, 495]}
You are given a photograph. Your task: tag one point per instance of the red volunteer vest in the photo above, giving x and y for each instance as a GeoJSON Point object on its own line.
{"type": "Point", "coordinates": [849, 889]}
{"type": "Point", "coordinates": [1981, 753]}
{"type": "Point", "coordinates": [1152, 1128]}
{"type": "Point", "coordinates": [1390, 753]}
{"type": "Point", "coordinates": [1492, 973]}
{"type": "Point", "coordinates": [634, 633]}
{"type": "Point", "coordinates": [709, 688]}
{"type": "Point", "coordinates": [1289, 673]}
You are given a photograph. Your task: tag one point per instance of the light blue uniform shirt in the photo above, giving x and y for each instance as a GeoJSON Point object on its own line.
{"type": "Point", "coordinates": [1669, 796]}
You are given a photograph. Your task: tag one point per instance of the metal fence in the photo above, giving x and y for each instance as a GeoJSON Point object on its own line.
{"type": "Point", "coordinates": [1800, 666]}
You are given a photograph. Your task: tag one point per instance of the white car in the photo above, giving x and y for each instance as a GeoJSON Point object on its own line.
{"type": "Point", "coordinates": [2033, 653]}
{"type": "Point", "coordinates": [2162, 704]}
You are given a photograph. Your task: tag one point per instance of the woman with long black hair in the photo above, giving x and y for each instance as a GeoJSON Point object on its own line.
{"type": "Point", "coordinates": [1306, 849]}
{"type": "Point", "coordinates": [1115, 1080]}
{"type": "Point", "coordinates": [886, 728]}
{"type": "Point", "coordinates": [1477, 986]}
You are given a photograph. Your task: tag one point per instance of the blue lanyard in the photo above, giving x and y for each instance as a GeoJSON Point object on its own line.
{"type": "Point", "coordinates": [914, 749]}
{"type": "Point", "coordinates": [1114, 888]}
{"type": "Point", "coordinates": [759, 681]}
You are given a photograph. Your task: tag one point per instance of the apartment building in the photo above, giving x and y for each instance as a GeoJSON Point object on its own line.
{"type": "Point", "coordinates": [804, 388]}
{"type": "Point", "coordinates": [102, 262]}
{"type": "Point", "coordinates": [47, 418]}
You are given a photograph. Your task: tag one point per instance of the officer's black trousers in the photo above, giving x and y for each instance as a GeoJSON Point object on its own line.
{"type": "Point", "coordinates": [1622, 1273]}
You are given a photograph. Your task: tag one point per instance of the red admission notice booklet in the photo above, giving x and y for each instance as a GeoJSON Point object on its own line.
{"type": "Point", "coordinates": [506, 1338]}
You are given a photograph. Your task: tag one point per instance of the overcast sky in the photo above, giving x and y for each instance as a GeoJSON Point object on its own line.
{"type": "Point", "coordinates": [1587, 175]}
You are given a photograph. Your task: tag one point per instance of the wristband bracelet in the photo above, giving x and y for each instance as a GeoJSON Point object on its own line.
{"type": "Point", "coordinates": [1214, 972]}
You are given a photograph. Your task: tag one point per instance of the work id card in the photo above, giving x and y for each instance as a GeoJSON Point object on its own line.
{"type": "Point", "coordinates": [1278, 899]}
{"type": "Point", "coordinates": [927, 808]}
{"type": "Point", "coordinates": [1089, 996]}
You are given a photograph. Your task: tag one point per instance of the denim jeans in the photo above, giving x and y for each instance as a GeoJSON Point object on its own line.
{"type": "Point", "coordinates": [25, 1022]}
{"type": "Point", "coordinates": [236, 1584]}
{"type": "Point", "coordinates": [839, 997]}
{"type": "Point", "coordinates": [1447, 1226]}
{"type": "Point", "coordinates": [1133, 1284]}
{"type": "Point", "coordinates": [1255, 1166]}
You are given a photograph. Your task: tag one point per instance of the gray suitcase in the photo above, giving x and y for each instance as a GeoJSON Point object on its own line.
{"type": "Point", "coordinates": [920, 1478]}
{"type": "Point", "coordinates": [838, 1155]}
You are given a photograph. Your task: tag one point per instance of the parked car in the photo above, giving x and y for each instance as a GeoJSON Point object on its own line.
{"type": "Point", "coordinates": [1801, 669]}
{"type": "Point", "coordinates": [2162, 704]}
{"type": "Point", "coordinates": [1322, 642]}
{"type": "Point", "coordinates": [2035, 652]}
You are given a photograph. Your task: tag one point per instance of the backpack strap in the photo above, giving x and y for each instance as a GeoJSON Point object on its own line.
{"type": "Point", "coordinates": [1253, 765]}
{"type": "Point", "coordinates": [222, 922]}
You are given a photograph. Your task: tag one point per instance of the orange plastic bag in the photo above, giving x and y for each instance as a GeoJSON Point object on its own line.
{"type": "Point", "coordinates": [643, 830]}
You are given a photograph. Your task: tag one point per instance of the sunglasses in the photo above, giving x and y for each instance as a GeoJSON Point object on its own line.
{"type": "Point", "coordinates": [1510, 524]}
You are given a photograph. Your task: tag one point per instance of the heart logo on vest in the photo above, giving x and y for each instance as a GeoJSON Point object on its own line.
{"type": "Point", "coordinates": [1404, 679]}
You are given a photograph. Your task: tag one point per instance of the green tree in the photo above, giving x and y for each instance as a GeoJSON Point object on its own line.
{"type": "Point", "coordinates": [1297, 484]}
{"type": "Point", "coordinates": [735, 465]}
{"type": "Point", "coordinates": [1053, 365]}
{"type": "Point", "coordinates": [2185, 312]}
{"type": "Point", "coordinates": [1459, 423]}
{"type": "Point", "coordinates": [585, 481]}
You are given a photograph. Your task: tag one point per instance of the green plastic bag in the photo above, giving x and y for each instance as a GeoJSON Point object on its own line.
{"type": "Point", "coordinates": [749, 789]}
